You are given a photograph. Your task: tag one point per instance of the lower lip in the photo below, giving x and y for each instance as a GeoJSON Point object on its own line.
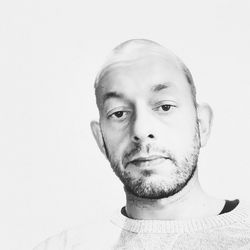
{"type": "Point", "coordinates": [149, 163]}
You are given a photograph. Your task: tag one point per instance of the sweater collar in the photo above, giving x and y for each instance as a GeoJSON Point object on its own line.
{"type": "Point", "coordinates": [240, 213]}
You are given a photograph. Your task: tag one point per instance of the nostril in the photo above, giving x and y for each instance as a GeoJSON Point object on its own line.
{"type": "Point", "coordinates": [136, 138]}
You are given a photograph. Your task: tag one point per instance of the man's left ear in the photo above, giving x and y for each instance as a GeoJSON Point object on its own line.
{"type": "Point", "coordinates": [205, 118]}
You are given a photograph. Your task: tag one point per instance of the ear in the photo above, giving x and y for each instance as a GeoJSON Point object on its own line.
{"type": "Point", "coordinates": [205, 117]}
{"type": "Point", "coordinates": [96, 130]}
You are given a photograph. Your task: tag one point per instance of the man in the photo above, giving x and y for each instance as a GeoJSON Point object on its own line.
{"type": "Point", "coordinates": [151, 130]}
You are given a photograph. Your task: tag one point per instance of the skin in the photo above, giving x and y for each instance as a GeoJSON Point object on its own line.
{"type": "Point", "coordinates": [151, 132]}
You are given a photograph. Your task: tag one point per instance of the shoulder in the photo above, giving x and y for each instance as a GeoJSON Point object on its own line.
{"type": "Point", "coordinates": [94, 235]}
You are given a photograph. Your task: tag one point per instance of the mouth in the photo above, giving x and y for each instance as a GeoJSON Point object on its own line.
{"type": "Point", "coordinates": [148, 161]}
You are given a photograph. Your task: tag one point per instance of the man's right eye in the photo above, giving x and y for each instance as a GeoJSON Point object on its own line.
{"type": "Point", "coordinates": [118, 115]}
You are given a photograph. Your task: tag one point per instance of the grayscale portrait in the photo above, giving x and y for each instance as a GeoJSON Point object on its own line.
{"type": "Point", "coordinates": [125, 125]}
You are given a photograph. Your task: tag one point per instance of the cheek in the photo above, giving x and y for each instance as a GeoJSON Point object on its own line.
{"type": "Point", "coordinates": [186, 126]}
{"type": "Point", "coordinates": [187, 135]}
{"type": "Point", "coordinates": [178, 136]}
{"type": "Point", "coordinates": [116, 143]}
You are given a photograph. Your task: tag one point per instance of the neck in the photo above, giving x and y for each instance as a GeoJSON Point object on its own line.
{"type": "Point", "coordinates": [190, 202]}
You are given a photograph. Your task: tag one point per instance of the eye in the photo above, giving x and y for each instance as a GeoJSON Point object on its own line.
{"type": "Point", "coordinates": [165, 107]}
{"type": "Point", "coordinates": [118, 115]}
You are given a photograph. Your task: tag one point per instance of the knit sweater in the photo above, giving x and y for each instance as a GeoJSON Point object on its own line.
{"type": "Point", "coordinates": [226, 231]}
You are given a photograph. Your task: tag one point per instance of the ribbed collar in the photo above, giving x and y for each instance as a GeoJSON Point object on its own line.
{"type": "Point", "coordinates": [239, 214]}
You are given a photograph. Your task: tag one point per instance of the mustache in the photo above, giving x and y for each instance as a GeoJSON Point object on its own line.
{"type": "Point", "coordinates": [146, 150]}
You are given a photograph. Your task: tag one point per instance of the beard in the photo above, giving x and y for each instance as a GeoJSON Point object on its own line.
{"type": "Point", "coordinates": [150, 186]}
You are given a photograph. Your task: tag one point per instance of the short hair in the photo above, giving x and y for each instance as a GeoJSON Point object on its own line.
{"type": "Point", "coordinates": [129, 50]}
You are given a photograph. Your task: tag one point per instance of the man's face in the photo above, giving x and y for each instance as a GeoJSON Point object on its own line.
{"type": "Point", "coordinates": [149, 126]}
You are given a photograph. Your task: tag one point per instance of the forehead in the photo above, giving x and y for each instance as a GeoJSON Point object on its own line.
{"type": "Point", "coordinates": [137, 77]}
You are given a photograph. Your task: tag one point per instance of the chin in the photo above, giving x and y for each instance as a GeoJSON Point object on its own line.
{"type": "Point", "coordinates": [153, 186]}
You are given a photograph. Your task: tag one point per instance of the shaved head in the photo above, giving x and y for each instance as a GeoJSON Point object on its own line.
{"type": "Point", "coordinates": [136, 49]}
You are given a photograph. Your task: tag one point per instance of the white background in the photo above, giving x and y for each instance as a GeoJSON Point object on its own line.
{"type": "Point", "coordinates": [52, 175]}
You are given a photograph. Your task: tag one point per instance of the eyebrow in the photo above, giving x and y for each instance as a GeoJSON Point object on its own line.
{"type": "Point", "coordinates": [159, 87]}
{"type": "Point", "coordinates": [112, 94]}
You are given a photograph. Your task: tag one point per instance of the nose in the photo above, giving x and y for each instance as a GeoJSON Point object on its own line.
{"type": "Point", "coordinates": [142, 127]}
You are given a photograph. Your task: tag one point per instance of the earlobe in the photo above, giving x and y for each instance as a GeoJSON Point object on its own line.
{"type": "Point", "coordinates": [96, 130]}
{"type": "Point", "coordinates": [205, 118]}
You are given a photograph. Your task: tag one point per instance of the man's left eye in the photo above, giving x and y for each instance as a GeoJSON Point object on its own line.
{"type": "Point", "coordinates": [164, 108]}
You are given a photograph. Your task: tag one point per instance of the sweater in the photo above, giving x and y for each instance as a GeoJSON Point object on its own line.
{"type": "Point", "coordinates": [223, 232]}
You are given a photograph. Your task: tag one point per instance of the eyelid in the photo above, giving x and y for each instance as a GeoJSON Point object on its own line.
{"type": "Point", "coordinates": [166, 102]}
